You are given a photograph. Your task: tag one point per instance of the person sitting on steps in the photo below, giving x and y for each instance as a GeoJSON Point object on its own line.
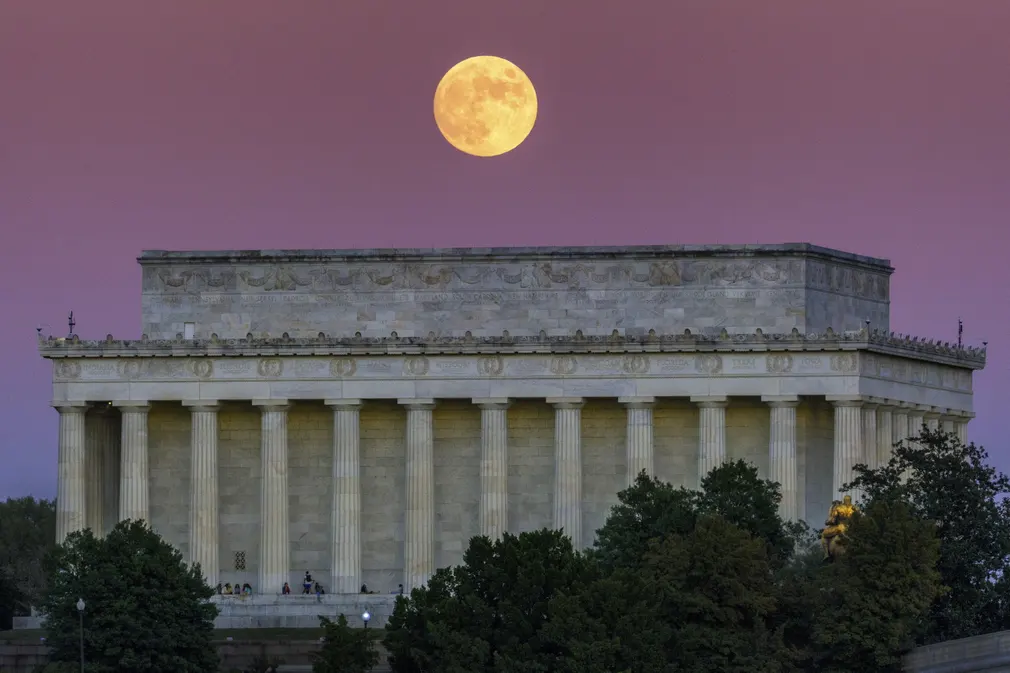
{"type": "Point", "coordinates": [307, 583]}
{"type": "Point", "coordinates": [286, 589]}
{"type": "Point", "coordinates": [227, 589]}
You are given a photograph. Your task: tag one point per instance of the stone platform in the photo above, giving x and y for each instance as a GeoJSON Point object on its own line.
{"type": "Point", "coordinates": [295, 611]}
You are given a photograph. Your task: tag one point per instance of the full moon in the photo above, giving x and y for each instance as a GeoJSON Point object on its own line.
{"type": "Point", "coordinates": [485, 106]}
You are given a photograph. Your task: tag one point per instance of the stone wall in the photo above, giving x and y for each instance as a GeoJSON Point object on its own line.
{"type": "Point", "coordinates": [989, 653]}
{"type": "Point", "coordinates": [236, 655]}
{"type": "Point", "coordinates": [706, 289]}
{"type": "Point", "coordinates": [457, 431]}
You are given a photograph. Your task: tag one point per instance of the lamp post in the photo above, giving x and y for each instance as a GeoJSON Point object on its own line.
{"type": "Point", "coordinates": [80, 613]}
{"type": "Point", "coordinates": [365, 617]}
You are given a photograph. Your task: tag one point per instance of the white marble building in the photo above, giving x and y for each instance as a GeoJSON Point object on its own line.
{"type": "Point", "coordinates": [362, 414]}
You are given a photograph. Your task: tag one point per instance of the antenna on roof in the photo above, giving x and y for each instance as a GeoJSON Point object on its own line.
{"type": "Point", "coordinates": [70, 321]}
{"type": "Point", "coordinates": [960, 331]}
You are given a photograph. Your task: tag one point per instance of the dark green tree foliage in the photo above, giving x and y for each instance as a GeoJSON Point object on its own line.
{"type": "Point", "coordinates": [344, 650]}
{"type": "Point", "coordinates": [952, 484]}
{"type": "Point", "coordinates": [718, 596]}
{"type": "Point", "coordinates": [145, 610]}
{"type": "Point", "coordinates": [648, 510]}
{"type": "Point", "coordinates": [27, 534]}
{"type": "Point", "coordinates": [873, 601]}
{"type": "Point", "coordinates": [487, 614]}
{"type": "Point", "coordinates": [735, 492]}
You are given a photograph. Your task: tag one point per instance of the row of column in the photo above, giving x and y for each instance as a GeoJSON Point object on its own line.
{"type": "Point", "coordinates": [863, 433]}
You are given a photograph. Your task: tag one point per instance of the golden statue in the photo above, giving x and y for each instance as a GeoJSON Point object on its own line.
{"type": "Point", "coordinates": [832, 537]}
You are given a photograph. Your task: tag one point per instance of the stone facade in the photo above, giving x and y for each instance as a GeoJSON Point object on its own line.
{"type": "Point", "coordinates": [266, 428]}
{"type": "Point", "coordinates": [487, 292]}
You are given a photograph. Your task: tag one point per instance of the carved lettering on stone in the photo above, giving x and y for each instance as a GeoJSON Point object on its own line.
{"type": "Point", "coordinates": [415, 365]}
{"type": "Point", "coordinates": [743, 363]}
{"type": "Point", "coordinates": [563, 365]}
{"type": "Point", "coordinates": [453, 365]}
{"type": "Point", "coordinates": [491, 365]}
{"type": "Point", "coordinates": [674, 364]}
{"type": "Point", "coordinates": [235, 367]}
{"type": "Point", "coordinates": [375, 366]}
{"type": "Point", "coordinates": [708, 363]}
{"type": "Point", "coordinates": [527, 366]}
{"type": "Point", "coordinates": [779, 363]}
{"type": "Point", "coordinates": [342, 367]}
{"type": "Point", "coordinates": [636, 364]}
{"type": "Point", "coordinates": [270, 368]}
{"type": "Point", "coordinates": [68, 369]}
{"type": "Point", "coordinates": [202, 368]}
{"type": "Point", "coordinates": [843, 362]}
{"type": "Point", "coordinates": [99, 370]}
{"type": "Point", "coordinates": [164, 368]}
{"type": "Point", "coordinates": [310, 367]}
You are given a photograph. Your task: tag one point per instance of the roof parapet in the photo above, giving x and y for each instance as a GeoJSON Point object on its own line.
{"type": "Point", "coordinates": [890, 343]}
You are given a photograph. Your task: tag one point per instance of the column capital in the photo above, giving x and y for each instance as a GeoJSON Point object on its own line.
{"type": "Point", "coordinates": [417, 402]}
{"type": "Point", "coordinates": [711, 401]}
{"type": "Point", "coordinates": [70, 406]}
{"type": "Point", "coordinates": [845, 400]}
{"type": "Point", "coordinates": [492, 402]}
{"type": "Point", "coordinates": [781, 400]}
{"type": "Point", "coordinates": [931, 412]}
{"type": "Point", "coordinates": [132, 406]}
{"type": "Point", "coordinates": [966, 416]}
{"type": "Point", "coordinates": [566, 402]}
{"type": "Point", "coordinates": [344, 403]}
{"type": "Point", "coordinates": [273, 404]}
{"type": "Point", "coordinates": [637, 402]}
{"type": "Point", "coordinates": [201, 405]}
{"type": "Point", "coordinates": [906, 406]}
{"type": "Point", "coordinates": [884, 404]}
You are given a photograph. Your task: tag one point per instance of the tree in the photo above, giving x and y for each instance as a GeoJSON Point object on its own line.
{"type": "Point", "coordinates": [871, 603]}
{"type": "Point", "coordinates": [27, 534]}
{"type": "Point", "coordinates": [950, 483]}
{"type": "Point", "coordinates": [345, 650]}
{"type": "Point", "coordinates": [145, 610]}
{"type": "Point", "coordinates": [718, 596]}
{"type": "Point", "coordinates": [734, 491]}
{"type": "Point", "coordinates": [487, 614]}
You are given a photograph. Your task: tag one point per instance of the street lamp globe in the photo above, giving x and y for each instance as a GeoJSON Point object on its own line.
{"type": "Point", "coordinates": [365, 617]}
{"type": "Point", "coordinates": [80, 605]}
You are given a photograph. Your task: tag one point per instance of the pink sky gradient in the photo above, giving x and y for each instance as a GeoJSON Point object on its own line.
{"type": "Point", "coordinates": [875, 127]}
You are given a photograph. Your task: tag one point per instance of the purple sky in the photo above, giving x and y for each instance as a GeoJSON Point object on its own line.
{"type": "Point", "coordinates": [875, 127]}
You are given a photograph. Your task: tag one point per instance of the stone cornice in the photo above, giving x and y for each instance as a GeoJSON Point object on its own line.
{"type": "Point", "coordinates": [163, 257]}
{"type": "Point", "coordinates": [875, 342]}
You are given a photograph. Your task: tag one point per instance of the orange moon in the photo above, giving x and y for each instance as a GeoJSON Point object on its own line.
{"type": "Point", "coordinates": [485, 106]}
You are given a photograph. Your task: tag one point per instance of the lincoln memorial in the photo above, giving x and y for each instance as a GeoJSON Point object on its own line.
{"type": "Point", "coordinates": [362, 414]}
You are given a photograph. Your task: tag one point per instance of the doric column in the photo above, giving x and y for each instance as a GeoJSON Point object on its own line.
{"type": "Point", "coordinates": [782, 464]}
{"type": "Point", "coordinates": [275, 546]}
{"type": "Point", "coordinates": [494, 466]}
{"type": "Point", "coordinates": [885, 434]}
{"type": "Point", "coordinates": [71, 500]}
{"type": "Point", "coordinates": [419, 543]}
{"type": "Point", "coordinates": [112, 463]}
{"type": "Point", "coordinates": [98, 423]}
{"type": "Point", "coordinates": [346, 516]}
{"type": "Point", "coordinates": [916, 419]}
{"type": "Point", "coordinates": [203, 489]}
{"type": "Point", "coordinates": [932, 418]}
{"type": "Point", "coordinates": [568, 466]}
{"type": "Point", "coordinates": [961, 427]}
{"type": "Point", "coordinates": [711, 433]}
{"type": "Point", "coordinates": [869, 421]}
{"type": "Point", "coordinates": [899, 424]}
{"type": "Point", "coordinates": [638, 436]}
{"type": "Point", "coordinates": [947, 422]}
{"type": "Point", "coordinates": [848, 441]}
{"type": "Point", "coordinates": [133, 469]}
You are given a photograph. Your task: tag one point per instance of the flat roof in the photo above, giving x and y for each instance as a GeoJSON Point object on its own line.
{"type": "Point", "coordinates": [507, 253]}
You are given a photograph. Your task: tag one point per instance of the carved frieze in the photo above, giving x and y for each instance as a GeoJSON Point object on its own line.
{"type": "Point", "coordinates": [709, 363]}
{"type": "Point", "coordinates": [343, 367]}
{"type": "Point", "coordinates": [514, 366]}
{"type": "Point", "coordinates": [415, 366]}
{"type": "Point", "coordinates": [270, 368]}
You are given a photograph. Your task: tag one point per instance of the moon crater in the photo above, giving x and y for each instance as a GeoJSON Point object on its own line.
{"type": "Point", "coordinates": [485, 106]}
